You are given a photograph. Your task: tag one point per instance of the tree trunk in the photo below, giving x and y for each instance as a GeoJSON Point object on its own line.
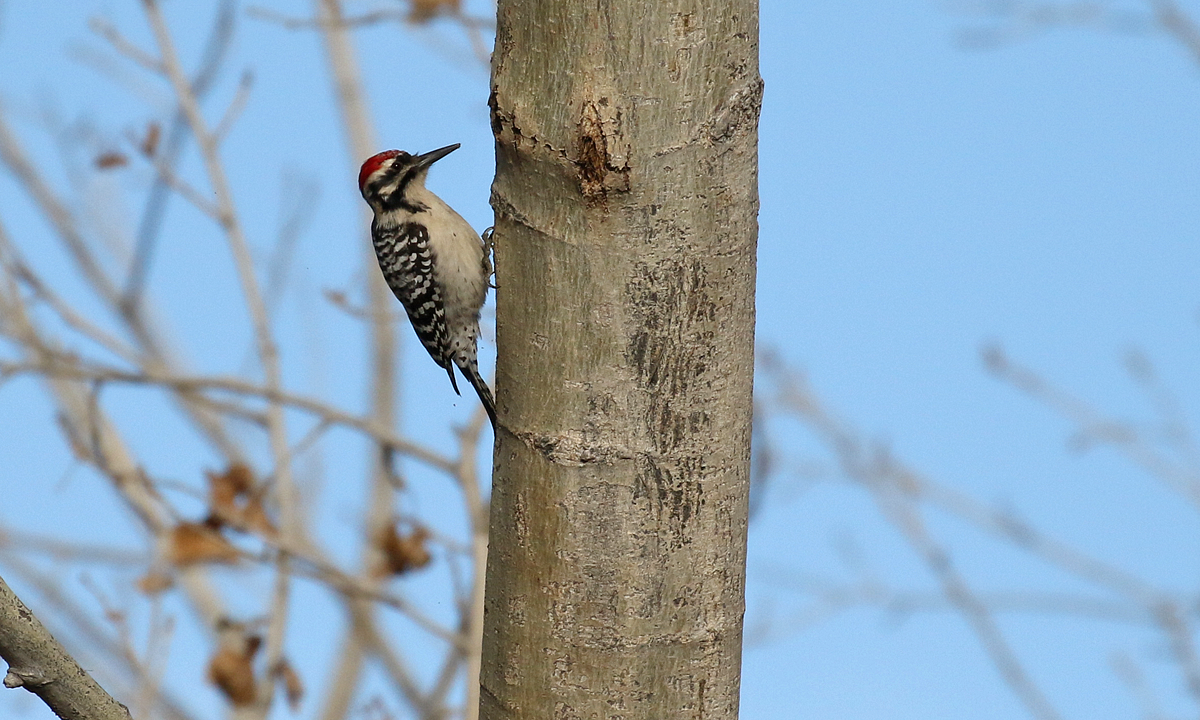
{"type": "Point", "coordinates": [626, 202]}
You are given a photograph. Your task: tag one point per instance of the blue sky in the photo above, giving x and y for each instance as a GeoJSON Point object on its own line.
{"type": "Point", "coordinates": [919, 199]}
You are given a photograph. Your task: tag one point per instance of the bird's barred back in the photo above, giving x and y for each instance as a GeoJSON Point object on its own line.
{"type": "Point", "coordinates": [406, 259]}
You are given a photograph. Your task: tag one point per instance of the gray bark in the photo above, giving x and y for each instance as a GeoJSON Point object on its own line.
{"type": "Point", "coordinates": [626, 223]}
{"type": "Point", "coordinates": [37, 662]}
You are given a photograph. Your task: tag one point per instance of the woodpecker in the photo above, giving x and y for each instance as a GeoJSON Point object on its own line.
{"type": "Point", "coordinates": [432, 259]}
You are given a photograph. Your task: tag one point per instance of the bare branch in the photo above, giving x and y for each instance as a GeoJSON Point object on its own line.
{"type": "Point", "coordinates": [1179, 25]}
{"type": "Point", "coordinates": [216, 49]}
{"type": "Point", "coordinates": [905, 516]}
{"type": "Point", "coordinates": [325, 573]}
{"type": "Point", "coordinates": [267, 351]}
{"type": "Point", "coordinates": [65, 225]}
{"type": "Point", "coordinates": [1180, 634]}
{"type": "Point", "coordinates": [81, 418]}
{"type": "Point", "coordinates": [359, 135]}
{"type": "Point", "coordinates": [829, 597]}
{"type": "Point", "coordinates": [186, 190]}
{"type": "Point", "coordinates": [68, 551]}
{"type": "Point", "coordinates": [796, 397]}
{"type": "Point", "coordinates": [1131, 675]}
{"type": "Point", "coordinates": [65, 366]}
{"type": "Point", "coordinates": [340, 22]}
{"type": "Point", "coordinates": [125, 47]}
{"type": "Point", "coordinates": [235, 107]}
{"type": "Point", "coordinates": [66, 609]}
{"type": "Point", "coordinates": [1095, 427]}
{"type": "Point", "coordinates": [890, 486]}
{"type": "Point", "coordinates": [15, 265]}
{"type": "Point", "coordinates": [1012, 21]}
{"type": "Point", "coordinates": [898, 489]}
{"type": "Point", "coordinates": [38, 663]}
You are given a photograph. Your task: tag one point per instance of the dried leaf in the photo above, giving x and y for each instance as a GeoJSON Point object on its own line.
{"type": "Point", "coordinates": [110, 160]}
{"type": "Point", "coordinates": [226, 487]}
{"type": "Point", "coordinates": [222, 496]}
{"type": "Point", "coordinates": [241, 477]}
{"type": "Point", "coordinates": [149, 144]}
{"type": "Point", "coordinates": [254, 517]}
{"type": "Point", "coordinates": [195, 543]}
{"type": "Point", "coordinates": [155, 582]}
{"type": "Point", "coordinates": [293, 687]}
{"type": "Point", "coordinates": [231, 501]}
{"type": "Point", "coordinates": [402, 554]}
{"type": "Point", "coordinates": [231, 667]}
{"type": "Point", "coordinates": [426, 10]}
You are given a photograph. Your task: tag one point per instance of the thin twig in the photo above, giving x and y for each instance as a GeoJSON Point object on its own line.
{"type": "Point", "coordinates": [235, 107]}
{"type": "Point", "coordinates": [216, 50]}
{"type": "Point", "coordinates": [1093, 426]}
{"type": "Point", "coordinates": [186, 190]}
{"type": "Point", "coordinates": [1128, 672]}
{"type": "Point", "coordinates": [337, 22]}
{"type": "Point", "coordinates": [15, 265]}
{"type": "Point", "coordinates": [325, 573]}
{"type": "Point", "coordinates": [66, 366]}
{"type": "Point", "coordinates": [359, 135]}
{"type": "Point", "coordinates": [124, 46]}
{"type": "Point", "coordinates": [54, 211]}
{"type": "Point", "coordinates": [1180, 637]}
{"type": "Point", "coordinates": [905, 517]}
{"type": "Point", "coordinates": [62, 550]}
{"type": "Point", "coordinates": [796, 397]}
{"type": "Point", "coordinates": [1178, 25]}
{"type": "Point", "coordinates": [267, 351]}
{"type": "Point", "coordinates": [890, 488]}
{"type": "Point", "coordinates": [830, 596]}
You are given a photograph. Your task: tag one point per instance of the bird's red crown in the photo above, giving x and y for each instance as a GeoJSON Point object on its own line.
{"type": "Point", "coordinates": [372, 164]}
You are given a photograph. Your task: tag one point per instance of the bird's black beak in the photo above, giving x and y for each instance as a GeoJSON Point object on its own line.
{"type": "Point", "coordinates": [429, 158]}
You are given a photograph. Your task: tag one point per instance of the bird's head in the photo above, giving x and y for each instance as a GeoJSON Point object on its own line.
{"type": "Point", "coordinates": [385, 177]}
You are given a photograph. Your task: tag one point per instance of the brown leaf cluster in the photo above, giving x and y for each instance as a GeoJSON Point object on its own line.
{"type": "Point", "coordinates": [402, 553]}
{"type": "Point", "coordinates": [426, 10]}
{"type": "Point", "coordinates": [231, 667]}
{"type": "Point", "coordinates": [111, 160]}
{"type": "Point", "coordinates": [196, 543]}
{"type": "Point", "coordinates": [234, 500]}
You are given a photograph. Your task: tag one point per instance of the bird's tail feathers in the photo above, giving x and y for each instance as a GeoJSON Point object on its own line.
{"type": "Point", "coordinates": [471, 373]}
{"type": "Point", "coordinates": [453, 381]}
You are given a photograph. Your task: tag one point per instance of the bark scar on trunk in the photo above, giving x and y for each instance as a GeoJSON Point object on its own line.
{"type": "Point", "coordinates": [603, 155]}
{"type": "Point", "coordinates": [601, 158]}
{"type": "Point", "coordinates": [572, 449]}
{"type": "Point", "coordinates": [737, 115]}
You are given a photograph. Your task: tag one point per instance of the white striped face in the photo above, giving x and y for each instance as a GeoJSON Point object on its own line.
{"type": "Point", "coordinates": [378, 178]}
{"type": "Point", "coordinates": [390, 172]}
